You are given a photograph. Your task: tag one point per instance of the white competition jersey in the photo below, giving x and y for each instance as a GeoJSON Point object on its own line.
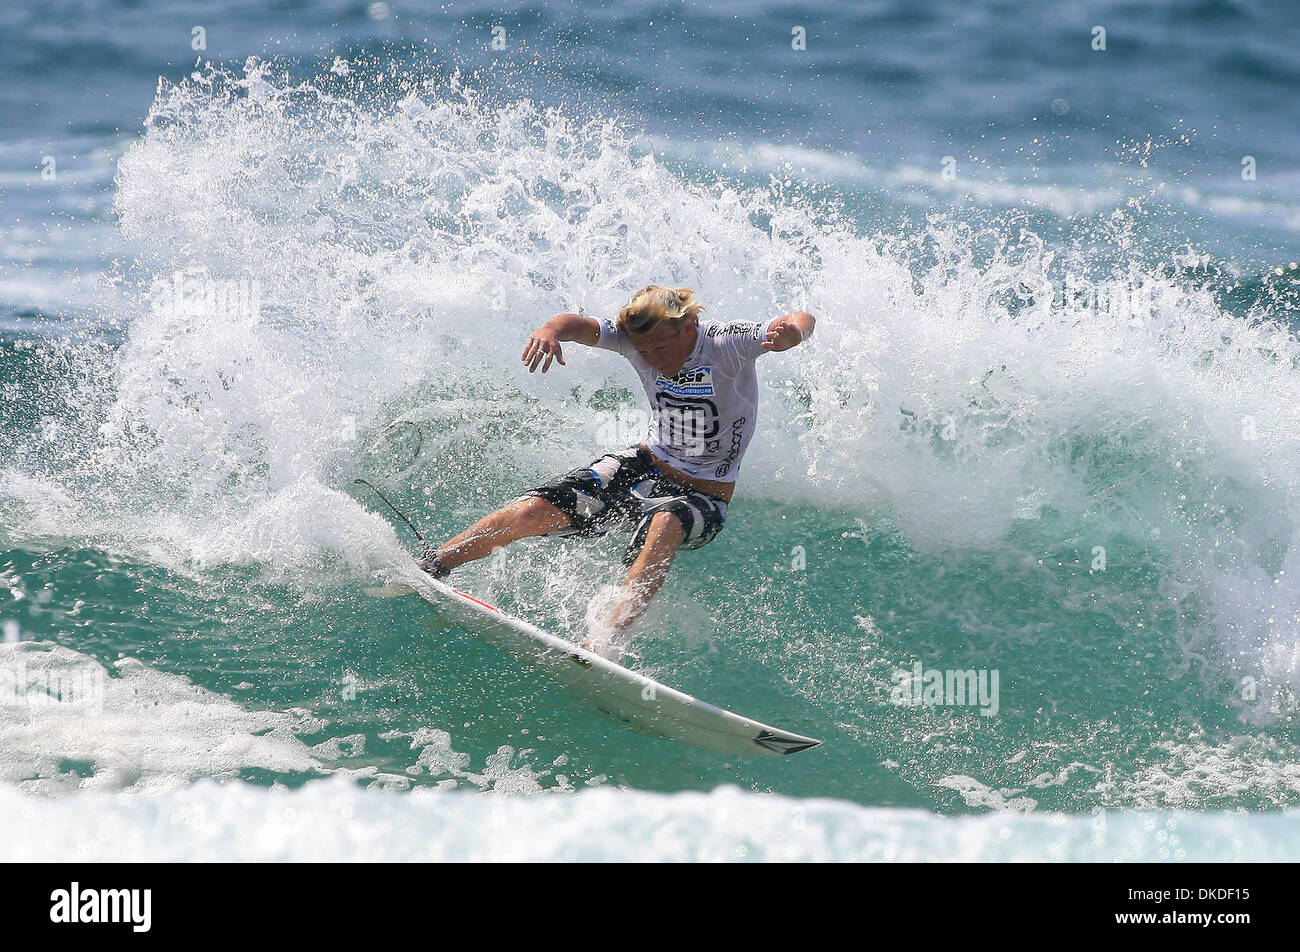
{"type": "Point", "coordinates": [702, 419]}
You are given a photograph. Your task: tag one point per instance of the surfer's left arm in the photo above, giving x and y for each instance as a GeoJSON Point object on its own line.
{"type": "Point", "coordinates": [788, 331]}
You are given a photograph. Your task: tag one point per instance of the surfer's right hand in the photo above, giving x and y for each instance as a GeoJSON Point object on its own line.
{"type": "Point", "coordinates": [544, 343]}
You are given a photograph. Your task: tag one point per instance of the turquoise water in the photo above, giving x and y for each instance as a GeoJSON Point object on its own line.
{"type": "Point", "coordinates": [1046, 429]}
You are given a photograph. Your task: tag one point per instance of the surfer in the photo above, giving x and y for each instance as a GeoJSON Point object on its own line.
{"type": "Point", "coordinates": [675, 485]}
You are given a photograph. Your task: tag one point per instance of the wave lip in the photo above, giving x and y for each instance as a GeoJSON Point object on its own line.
{"type": "Point", "coordinates": [334, 820]}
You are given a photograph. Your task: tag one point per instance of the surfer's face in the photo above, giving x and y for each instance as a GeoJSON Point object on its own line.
{"type": "Point", "coordinates": [667, 345]}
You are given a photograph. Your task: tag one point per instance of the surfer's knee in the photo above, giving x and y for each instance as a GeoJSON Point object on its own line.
{"type": "Point", "coordinates": [574, 501]}
{"type": "Point", "coordinates": [666, 526]}
{"type": "Point", "coordinates": [697, 517]}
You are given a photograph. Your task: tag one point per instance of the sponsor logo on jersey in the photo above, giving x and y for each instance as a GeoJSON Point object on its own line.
{"type": "Point", "coordinates": [688, 383]}
{"type": "Point", "coordinates": [737, 437]}
{"type": "Point", "coordinates": [742, 329]}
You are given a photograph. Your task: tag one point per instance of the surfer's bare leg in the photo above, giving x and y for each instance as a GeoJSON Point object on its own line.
{"type": "Point", "coordinates": [644, 579]}
{"type": "Point", "coordinates": [526, 516]}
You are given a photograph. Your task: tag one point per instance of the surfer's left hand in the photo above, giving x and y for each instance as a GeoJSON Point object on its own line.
{"type": "Point", "coordinates": [782, 335]}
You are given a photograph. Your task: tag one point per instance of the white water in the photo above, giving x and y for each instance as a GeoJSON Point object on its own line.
{"type": "Point", "coordinates": [70, 725]}
{"type": "Point", "coordinates": [402, 252]}
{"type": "Point", "coordinates": [333, 820]}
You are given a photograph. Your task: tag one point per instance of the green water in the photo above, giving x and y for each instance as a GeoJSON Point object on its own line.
{"type": "Point", "coordinates": [1096, 699]}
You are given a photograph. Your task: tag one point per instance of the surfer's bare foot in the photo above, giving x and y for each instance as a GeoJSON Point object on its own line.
{"type": "Point", "coordinates": [434, 568]}
{"type": "Point", "coordinates": [597, 647]}
{"type": "Point", "coordinates": [431, 564]}
{"type": "Point", "coordinates": [605, 641]}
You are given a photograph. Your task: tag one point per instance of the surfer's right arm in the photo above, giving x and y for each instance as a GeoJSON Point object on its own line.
{"type": "Point", "coordinates": [545, 341]}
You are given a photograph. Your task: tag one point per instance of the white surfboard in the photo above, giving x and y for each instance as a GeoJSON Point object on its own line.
{"type": "Point", "coordinates": [635, 701]}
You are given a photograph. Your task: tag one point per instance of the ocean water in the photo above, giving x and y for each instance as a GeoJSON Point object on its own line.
{"type": "Point", "coordinates": [1048, 429]}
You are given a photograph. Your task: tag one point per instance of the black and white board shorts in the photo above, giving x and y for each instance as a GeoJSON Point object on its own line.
{"type": "Point", "coordinates": [627, 487]}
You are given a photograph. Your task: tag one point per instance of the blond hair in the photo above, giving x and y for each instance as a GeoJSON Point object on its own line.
{"type": "Point", "coordinates": [645, 309]}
